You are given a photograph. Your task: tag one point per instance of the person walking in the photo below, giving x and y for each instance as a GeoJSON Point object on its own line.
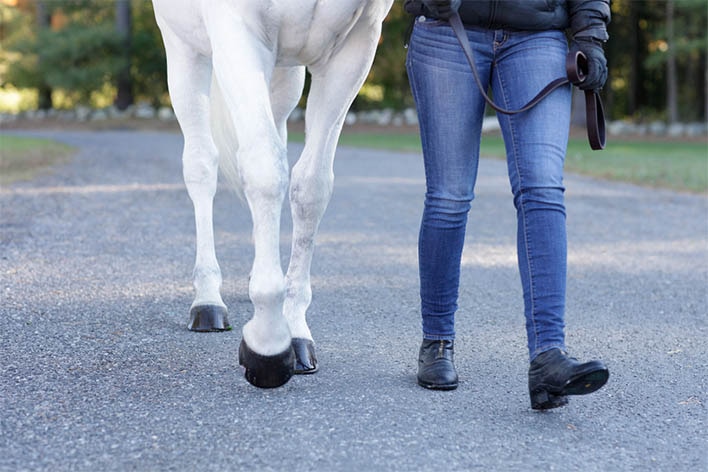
{"type": "Point", "coordinates": [519, 47]}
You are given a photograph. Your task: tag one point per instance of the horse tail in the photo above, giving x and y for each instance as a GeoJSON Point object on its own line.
{"type": "Point", "coordinates": [224, 135]}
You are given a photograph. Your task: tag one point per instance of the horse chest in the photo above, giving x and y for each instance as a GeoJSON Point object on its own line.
{"type": "Point", "coordinates": [308, 36]}
{"type": "Point", "coordinates": [296, 31]}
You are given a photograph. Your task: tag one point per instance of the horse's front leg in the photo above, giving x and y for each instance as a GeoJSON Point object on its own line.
{"type": "Point", "coordinates": [189, 75]}
{"type": "Point", "coordinates": [266, 351]}
{"type": "Point", "coordinates": [334, 87]}
{"type": "Point", "coordinates": [243, 75]}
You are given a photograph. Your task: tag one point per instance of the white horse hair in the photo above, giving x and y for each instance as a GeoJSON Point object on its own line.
{"type": "Point", "coordinates": [236, 70]}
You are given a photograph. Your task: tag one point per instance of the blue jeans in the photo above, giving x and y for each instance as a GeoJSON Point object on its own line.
{"type": "Point", "coordinates": [516, 65]}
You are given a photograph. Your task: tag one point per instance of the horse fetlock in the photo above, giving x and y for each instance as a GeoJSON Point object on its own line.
{"type": "Point", "coordinates": [299, 294]}
{"type": "Point", "coordinates": [265, 290]}
{"type": "Point", "coordinates": [298, 327]}
{"type": "Point", "coordinates": [207, 285]}
{"type": "Point", "coordinates": [294, 311]}
{"type": "Point", "coordinates": [207, 274]}
{"type": "Point", "coordinates": [208, 318]}
{"type": "Point", "coordinates": [267, 337]}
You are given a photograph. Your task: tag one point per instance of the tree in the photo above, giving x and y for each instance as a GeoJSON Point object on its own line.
{"type": "Point", "coordinates": [124, 83]}
{"type": "Point", "coordinates": [85, 46]}
{"type": "Point", "coordinates": [78, 54]}
{"type": "Point", "coordinates": [148, 62]}
{"type": "Point", "coordinates": [44, 91]}
{"type": "Point", "coordinates": [671, 86]}
{"type": "Point", "coordinates": [19, 26]}
{"type": "Point", "coordinates": [389, 70]}
{"type": "Point", "coordinates": [677, 56]}
{"type": "Point", "coordinates": [73, 48]}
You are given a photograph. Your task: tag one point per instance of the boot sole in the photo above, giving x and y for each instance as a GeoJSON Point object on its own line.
{"type": "Point", "coordinates": [545, 397]}
{"type": "Point", "coordinates": [432, 386]}
{"type": "Point", "coordinates": [587, 383]}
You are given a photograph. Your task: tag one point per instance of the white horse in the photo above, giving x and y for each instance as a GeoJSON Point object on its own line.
{"type": "Point", "coordinates": [236, 70]}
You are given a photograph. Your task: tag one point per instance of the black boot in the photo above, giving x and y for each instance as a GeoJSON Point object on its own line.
{"type": "Point", "coordinates": [553, 375]}
{"type": "Point", "coordinates": [436, 369]}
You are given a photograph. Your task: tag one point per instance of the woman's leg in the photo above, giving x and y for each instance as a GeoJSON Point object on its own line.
{"type": "Point", "coordinates": [450, 113]}
{"type": "Point", "coordinates": [536, 143]}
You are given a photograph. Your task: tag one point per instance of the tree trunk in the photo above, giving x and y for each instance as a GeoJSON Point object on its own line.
{"type": "Point", "coordinates": [124, 97]}
{"type": "Point", "coordinates": [705, 86]}
{"type": "Point", "coordinates": [635, 88]}
{"type": "Point", "coordinates": [44, 19]}
{"type": "Point", "coordinates": [671, 84]}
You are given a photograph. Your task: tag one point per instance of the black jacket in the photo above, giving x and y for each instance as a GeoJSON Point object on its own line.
{"type": "Point", "coordinates": [584, 18]}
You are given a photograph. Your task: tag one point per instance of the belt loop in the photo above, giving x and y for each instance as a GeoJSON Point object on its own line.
{"type": "Point", "coordinates": [497, 39]}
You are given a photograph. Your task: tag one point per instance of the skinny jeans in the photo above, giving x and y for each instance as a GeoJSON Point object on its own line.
{"type": "Point", "coordinates": [516, 65]}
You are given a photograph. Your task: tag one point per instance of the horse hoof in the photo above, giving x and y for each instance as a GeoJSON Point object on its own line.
{"type": "Point", "coordinates": [305, 359]}
{"type": "Point", "coordinates": [208, 318]}
{"type": "Point", "coordinates": [266, 371]}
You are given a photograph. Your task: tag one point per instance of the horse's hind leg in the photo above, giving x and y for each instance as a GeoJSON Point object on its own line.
{"type": "Point", "coordinates": [334, 86]}
{"type": "Point", "coordinates": [285, 91]}
{"type": "Point", "coordinates": [189, 78]}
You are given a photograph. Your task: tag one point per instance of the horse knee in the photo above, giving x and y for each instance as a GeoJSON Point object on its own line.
{"type": "Point", "coordinates": [200, 162]}
{"type": "Point", "coordinates": [265, 173]}
{"type": "Point", "coordinates": [310, 193]}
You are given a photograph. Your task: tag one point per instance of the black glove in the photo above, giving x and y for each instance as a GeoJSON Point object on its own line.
{"type": "Point", "coordinates": [442, 9]}
{"type": "Point", "coordinates": [596, 73]}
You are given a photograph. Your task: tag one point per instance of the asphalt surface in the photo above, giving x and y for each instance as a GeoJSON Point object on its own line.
{"type": "Point", "coordinates": [98, 370]}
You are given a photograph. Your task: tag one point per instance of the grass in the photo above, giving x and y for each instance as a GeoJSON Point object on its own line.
{"type": "Point", "coordinates": [23, 158]}
{"type": "Point", "coordinates": [675, 165]}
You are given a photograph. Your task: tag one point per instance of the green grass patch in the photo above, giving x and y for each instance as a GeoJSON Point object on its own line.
{"type": "Point", "coordinates": [22, 158]}
{"type": "Point", "coordinates": [664, 164]}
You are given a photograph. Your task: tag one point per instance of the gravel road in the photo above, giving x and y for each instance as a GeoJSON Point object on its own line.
{"type": "Point", "coordinates": [98, 370]}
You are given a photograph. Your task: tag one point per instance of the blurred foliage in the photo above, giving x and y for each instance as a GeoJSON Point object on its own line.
{"type": "Point", "coordinates": [149, 64]}
{"type": "Point", "coordinates": [79, 53]}
{"type": "Point", "coordinates": [80, 59]}
{"type": "Point", "coordinates": [637, 54]}
{"type": "Point", "coordinates": [388, 71]}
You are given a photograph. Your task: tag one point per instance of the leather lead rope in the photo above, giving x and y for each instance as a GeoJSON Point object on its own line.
{"type": "Point", "coordinates": [575, 65]}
